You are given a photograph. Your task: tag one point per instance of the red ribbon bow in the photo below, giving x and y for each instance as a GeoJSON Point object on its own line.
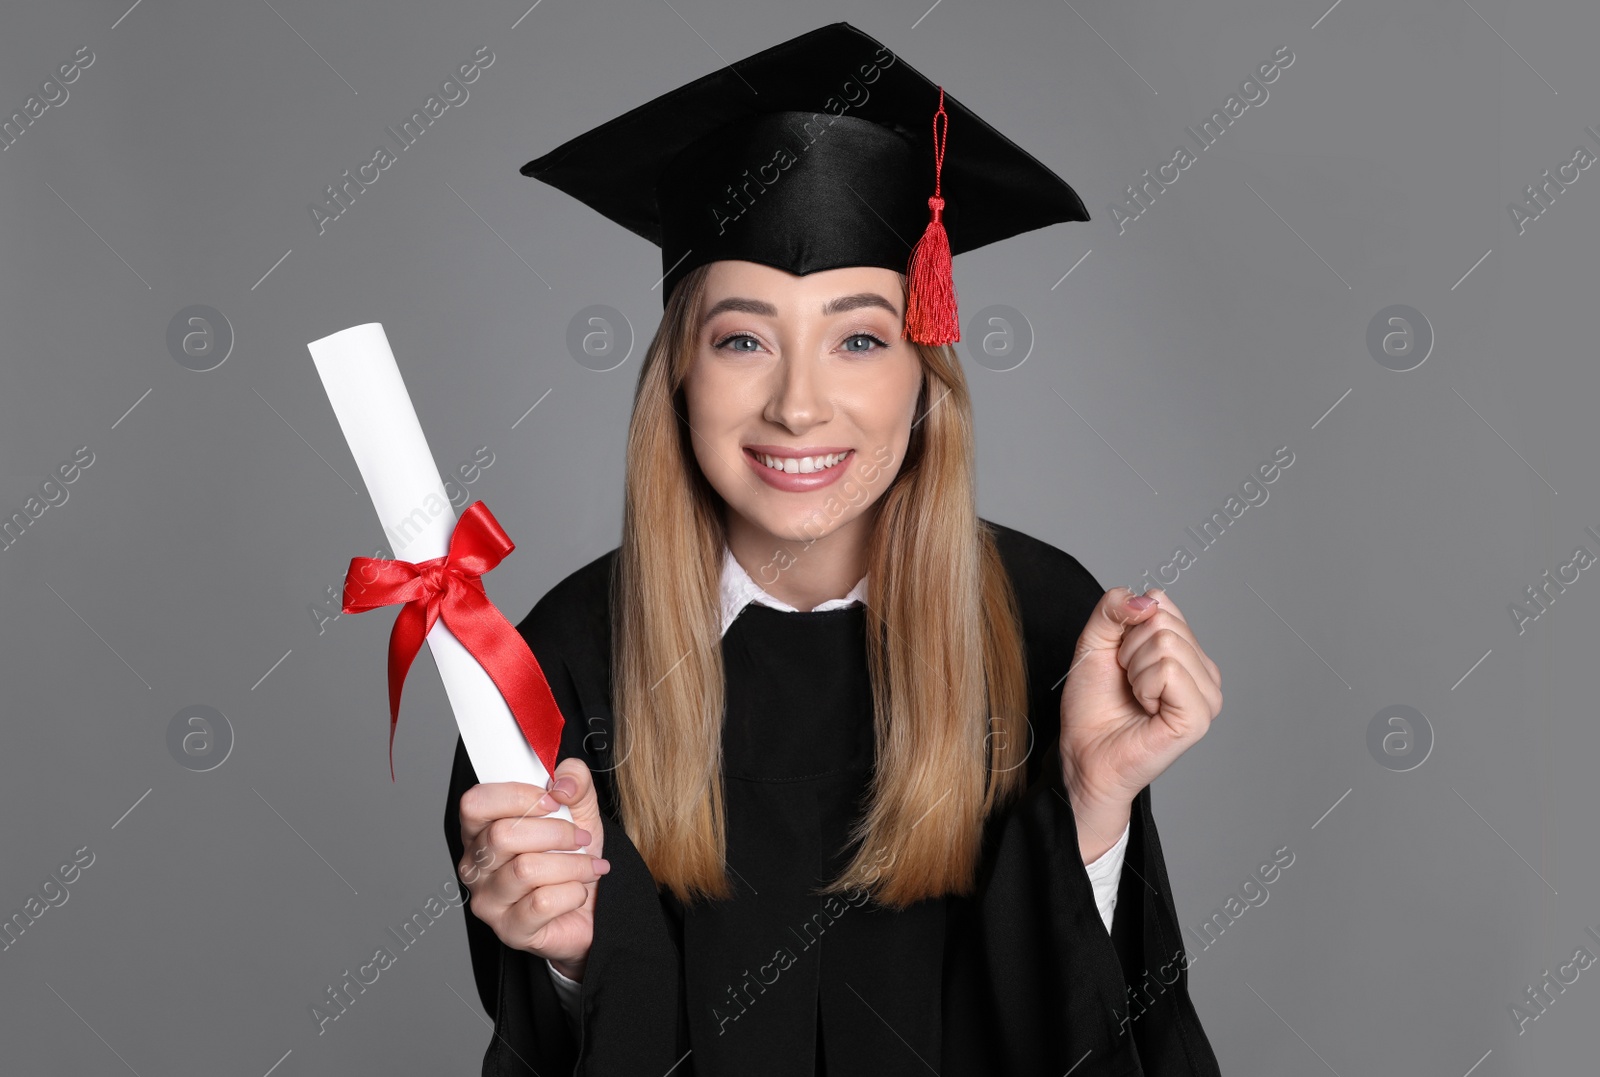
{"type": "Point", "coordinates": [450, 587]}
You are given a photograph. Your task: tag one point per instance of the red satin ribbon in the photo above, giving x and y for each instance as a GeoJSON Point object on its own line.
{"type": "Point", "coordinates": [449, 587]}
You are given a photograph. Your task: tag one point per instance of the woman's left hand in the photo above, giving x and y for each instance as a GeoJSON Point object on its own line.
{"type": "Point", "coordinates": [1139, 693]}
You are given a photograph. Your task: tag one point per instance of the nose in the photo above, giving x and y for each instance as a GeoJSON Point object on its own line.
{"type": "Point", "coordinates": [799, 398]}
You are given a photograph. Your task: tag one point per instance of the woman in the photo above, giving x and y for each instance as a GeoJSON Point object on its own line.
{"type": "Point", "coordinates": [843, 810]}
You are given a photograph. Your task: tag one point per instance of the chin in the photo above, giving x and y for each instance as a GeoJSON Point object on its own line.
{"type": "Point", "coordinates": [801, 524]}
{"type": "Point", "coordinates": [798, 524]}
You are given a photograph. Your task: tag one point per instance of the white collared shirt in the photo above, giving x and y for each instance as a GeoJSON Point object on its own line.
{"type": "Point", "coordinates": [739, 589]}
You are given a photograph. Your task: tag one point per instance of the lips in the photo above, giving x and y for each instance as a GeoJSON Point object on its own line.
{"type": "Point", "coordinates": [797, 450]}
{"type": "Point", "coordinates": [806, 474]}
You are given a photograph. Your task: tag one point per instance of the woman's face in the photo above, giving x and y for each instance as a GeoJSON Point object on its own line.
{"type": "Point", "coordinates": [811, 373]}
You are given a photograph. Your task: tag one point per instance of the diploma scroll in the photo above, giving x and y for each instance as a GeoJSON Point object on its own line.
{"type": "Point", "coordinates": [363, 383]}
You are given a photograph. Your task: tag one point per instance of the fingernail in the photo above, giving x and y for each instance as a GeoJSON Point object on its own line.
{"type": "Point", "coordinates": [601, 866]}
{"type": "Point", "coordinates": [546, 803]}
{"type": "Point", "coordinates": [1141, 602]}
{"type": "Point", "coordinates": [583, 836]}
{"type": "Point", "coordinates": [567, 785]}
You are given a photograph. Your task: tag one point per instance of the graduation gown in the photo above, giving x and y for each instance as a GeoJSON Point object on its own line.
{"type": "Point", "coordinates": [1020, 977]}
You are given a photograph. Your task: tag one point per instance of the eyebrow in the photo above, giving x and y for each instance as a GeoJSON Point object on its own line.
{"type": "Point", "coordinates": [837, 305]}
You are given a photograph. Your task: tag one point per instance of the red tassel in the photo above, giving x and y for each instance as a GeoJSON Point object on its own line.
{"type": "Point", "coordinates": [931, 289]}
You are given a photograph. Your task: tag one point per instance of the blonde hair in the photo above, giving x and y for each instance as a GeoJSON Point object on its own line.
{"type": "Point", "coordinates": [947, 662]}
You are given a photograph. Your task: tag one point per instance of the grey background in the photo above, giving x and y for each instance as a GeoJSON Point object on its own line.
{"type": "Point", "coordinates": [1227, 321]}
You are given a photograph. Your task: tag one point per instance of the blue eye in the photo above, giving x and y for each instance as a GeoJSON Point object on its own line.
{"type": "Point", "coordinates": [736, 338]}
{"type": "Point", "coordinates": [863, 336]}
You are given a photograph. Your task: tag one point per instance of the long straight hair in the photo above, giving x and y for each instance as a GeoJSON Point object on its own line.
{"type": "Point", "coordinates": [946, 660]}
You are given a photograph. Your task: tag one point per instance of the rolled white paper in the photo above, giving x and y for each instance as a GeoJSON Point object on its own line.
{"type": "Point", "coordinates": [375, 411]}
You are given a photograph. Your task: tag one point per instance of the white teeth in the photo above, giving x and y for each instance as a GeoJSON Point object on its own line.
{"type": "Point", "coordinates": [803, 465]}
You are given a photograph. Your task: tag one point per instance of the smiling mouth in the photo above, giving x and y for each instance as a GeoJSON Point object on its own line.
{"type": "Point", "coordinates": [801, 465]}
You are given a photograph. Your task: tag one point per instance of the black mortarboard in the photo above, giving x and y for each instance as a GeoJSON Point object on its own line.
{"type": "Point", "coordinates": [818, 153]}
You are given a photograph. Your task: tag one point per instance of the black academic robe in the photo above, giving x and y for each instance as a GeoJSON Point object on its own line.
{"type": "Point", "coordinates": [1019, 978]}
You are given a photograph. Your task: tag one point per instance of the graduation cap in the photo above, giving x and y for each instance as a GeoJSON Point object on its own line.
{"type": "Point", "coordinates": [825, 151]}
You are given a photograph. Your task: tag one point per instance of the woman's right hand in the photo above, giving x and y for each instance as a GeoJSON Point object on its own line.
{"type": "Point", "coordinates": [532, 898]}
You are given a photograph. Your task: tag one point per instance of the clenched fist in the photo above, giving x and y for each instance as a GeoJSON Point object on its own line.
{"type": "Point", "coordinates": [1140, 693]}
{"type": "Point", "coordinates": [526, 882]}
